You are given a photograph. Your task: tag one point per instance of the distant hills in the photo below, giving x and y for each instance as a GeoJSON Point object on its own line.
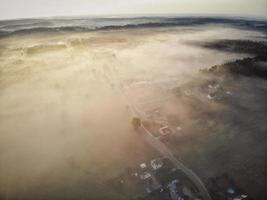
{"type": "Point", "coordinates": [85, 24]}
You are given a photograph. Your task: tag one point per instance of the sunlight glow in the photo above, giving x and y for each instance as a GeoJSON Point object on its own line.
{"type": "Point", "coordinates": [45, 8]}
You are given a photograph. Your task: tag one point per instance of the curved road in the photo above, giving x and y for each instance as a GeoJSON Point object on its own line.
{"type": "Point", "coordinates": [165, 152]}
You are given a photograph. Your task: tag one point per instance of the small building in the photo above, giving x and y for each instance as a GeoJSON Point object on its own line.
{"type": "Point", "coordinates": [211, 95]}
{"type": "Point", "coordinates": [223, 187]}
{"type": "Point", "coordinates": [173, 190]}
{"type": "Point", "coordinates": [143, 165]}
{"type": "Point", "coordinates": [164, 131]}
{"type": "Point", "coordinates": [145, 176]}
{"type": "Point", "coordinates": [156, 164]}
{"type": "Point", "coordinates": [152, 183]}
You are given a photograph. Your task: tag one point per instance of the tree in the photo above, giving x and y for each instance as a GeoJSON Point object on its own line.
{"type": "Point", "coordinates": [136, 122]}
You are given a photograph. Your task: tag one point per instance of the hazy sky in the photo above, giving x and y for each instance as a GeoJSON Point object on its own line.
{"type": "Point", "coordinates": [41, 8]}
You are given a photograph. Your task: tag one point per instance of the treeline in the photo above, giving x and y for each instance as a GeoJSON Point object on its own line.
{"type": "Point", "coordinates": [257, 48]}
{"type": "Point", "coordinates": [253, 67]}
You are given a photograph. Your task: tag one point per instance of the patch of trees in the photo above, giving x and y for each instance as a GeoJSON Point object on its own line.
{"type": "Point", "coordinates": [258, 48]}
{"type": "Point", "coordinates": [252, 67]}
{"type": "Point", "coordinates": [136, 122]}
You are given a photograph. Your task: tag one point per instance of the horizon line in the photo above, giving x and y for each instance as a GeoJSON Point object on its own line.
{"type": "Point", "coordinates": [140, 15]}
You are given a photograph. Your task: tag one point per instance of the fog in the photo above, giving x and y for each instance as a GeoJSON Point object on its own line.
{"type": "Point", "coordinates": [64, 124]}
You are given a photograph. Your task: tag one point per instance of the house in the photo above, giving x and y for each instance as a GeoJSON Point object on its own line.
{"type": "Point", "coordinates": [145, 176]}
{"type": "Point", "coordinates": [173, 190]}
{"type": "Point", "coordinates": [156, 163]}
{"type": "Point", "coordinates": [152, 183]}
{"type": "Point", "coordinates": [143, 165]}
{"type": "Point", "coordinates": [223, 187]}
{"type": "Point", "coordinates": [164, 131]}
{"type": "Point", "coordinates": [211, 95]}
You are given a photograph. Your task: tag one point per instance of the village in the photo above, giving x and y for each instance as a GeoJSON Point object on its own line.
{"type": "Point", "coordinates": [159, 179]}
{"type": "Point", "coordinates": [155, 179]}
